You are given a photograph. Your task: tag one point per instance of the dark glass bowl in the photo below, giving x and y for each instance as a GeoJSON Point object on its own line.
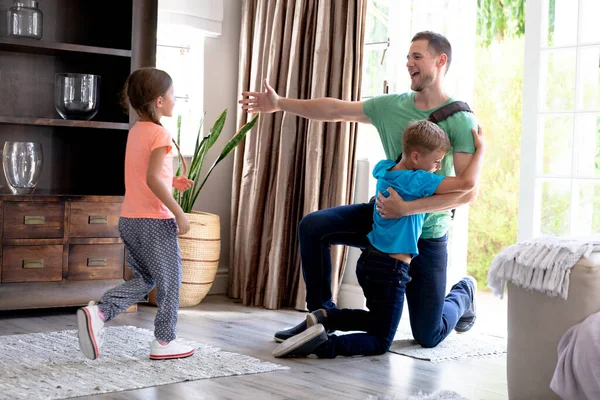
{"type": "Point", "coordinates": [77, 96]}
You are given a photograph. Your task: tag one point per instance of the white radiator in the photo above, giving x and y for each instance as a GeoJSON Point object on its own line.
{"type": "Point", "coordinates": [351, 294]}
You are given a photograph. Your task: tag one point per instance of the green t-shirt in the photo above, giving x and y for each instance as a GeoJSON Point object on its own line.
{"type": "Point", "coordinates": [391, 113]}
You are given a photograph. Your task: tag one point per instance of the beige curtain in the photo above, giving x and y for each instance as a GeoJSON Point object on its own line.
{"type": "Point", "coordinates": [289, 166]}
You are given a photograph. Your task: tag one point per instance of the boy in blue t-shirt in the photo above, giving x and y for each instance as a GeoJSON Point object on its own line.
{"type": "Point", "coordinates": [383, 267]}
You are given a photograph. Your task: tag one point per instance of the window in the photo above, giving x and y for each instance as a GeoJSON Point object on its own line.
{"type": "Point", "coordinates": [182, 57]}
{"type": "Point", "coordinates": [374, 81]}
{"type": "Point", "coordinates": [390, 26]}
{"type": "Point", "coordinates": [560, 161]}
{"type": "Point", "coordinates": [376, 45]}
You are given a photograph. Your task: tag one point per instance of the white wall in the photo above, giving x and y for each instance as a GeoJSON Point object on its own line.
{"type": "Point", "coordinates": [206, 15]}
{"type": "Point", "coordinates": [221, 58]}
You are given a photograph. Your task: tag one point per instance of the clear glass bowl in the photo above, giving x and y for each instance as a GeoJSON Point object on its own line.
{"type": "Point", "coordinates": [77, 96]}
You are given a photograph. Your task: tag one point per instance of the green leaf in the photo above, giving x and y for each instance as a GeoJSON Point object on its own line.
{"type": "Point", "coordinates": [187, 199]}
{"type": "Point", "coordinates": [177, 193]}
{"type": "Point", "coordinates": [233, 142]}
{"type": "Point", "coordinates": [499, 19]}
{"type": "Point", "coordinates": [198, 159]}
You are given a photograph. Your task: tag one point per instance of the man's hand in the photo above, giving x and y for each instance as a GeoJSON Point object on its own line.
{"type": "Point", "coordinates": [182, 183]}
{"type": "Point", "coordinates": [478, 138]}
{"type": "Point", "coordinates": [261, 102]}
{"type": "Point", "coordinates": [390, 207]}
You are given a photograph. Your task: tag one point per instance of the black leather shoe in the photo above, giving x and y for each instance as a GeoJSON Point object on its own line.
{"type": "Point", "coordinates": [302, 344]}
{"type": "Point", "coordinates": [285, 334]}
{"type": "Point", "coordinates": [466, 322]}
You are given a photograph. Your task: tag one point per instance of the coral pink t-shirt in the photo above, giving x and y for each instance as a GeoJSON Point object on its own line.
{"type": "Point", "coordinates": [140, 201]}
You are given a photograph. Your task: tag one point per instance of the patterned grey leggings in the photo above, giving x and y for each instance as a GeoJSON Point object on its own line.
{"type": "Point", "coordinates": [154, 257]}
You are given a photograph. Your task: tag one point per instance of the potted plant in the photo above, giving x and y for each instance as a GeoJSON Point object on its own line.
{"type": "Point", "coordinates": [201, 245]}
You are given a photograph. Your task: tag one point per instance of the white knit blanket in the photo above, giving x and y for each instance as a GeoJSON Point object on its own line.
{"type": "Point", "coordinates": [542, 264]}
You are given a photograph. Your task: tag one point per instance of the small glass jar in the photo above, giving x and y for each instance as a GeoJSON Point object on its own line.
{"type": "Point", "coordinates": [25, 19]}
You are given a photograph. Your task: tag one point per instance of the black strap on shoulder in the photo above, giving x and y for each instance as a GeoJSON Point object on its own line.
{"type": "Point", "coordinates": [441, 114]}
{"type": "Point", "coordinates": [448, 110]}
{"type": "Point", "coordinates": [444, 112]}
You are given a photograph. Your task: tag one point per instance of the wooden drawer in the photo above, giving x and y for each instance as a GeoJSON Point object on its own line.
{"type": "Point", "coordinates": [32, 263]}
{"type": "Point", "coordinates": [95, 220]}
{"type": "Point", "coordinates": [95, 261]}
{"type": "Point", "coordinates": [33, 220]}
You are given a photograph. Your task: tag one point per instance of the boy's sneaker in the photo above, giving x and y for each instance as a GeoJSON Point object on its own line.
{"type": "Point", "coordinates": [467, 321]}
{"type": "Point", "coordinates": [302, 344]}
{"type": "Point", "coordinates": [90, 329]}
{"type": "Point", "coordinates": [285, 334]}
{"type": "Point", "coordinates": [316, 317]}
{"type": "Point", "coordinates": [173, 349]}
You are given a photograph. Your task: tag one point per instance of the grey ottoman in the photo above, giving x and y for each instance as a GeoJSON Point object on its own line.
{"type": "Point", "coordinates": [536, 323]}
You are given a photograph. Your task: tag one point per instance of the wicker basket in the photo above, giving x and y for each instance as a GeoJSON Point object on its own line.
{"type": "Point", "coordinates": [200, 250]}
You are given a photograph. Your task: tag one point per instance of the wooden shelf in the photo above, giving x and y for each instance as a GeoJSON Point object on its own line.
{"type": "Point", "coordinates": [50, 48]}
{"type": "Point", "coordinates": [62, 122]}
{"type": "Point", "coordinates": [51, 196]}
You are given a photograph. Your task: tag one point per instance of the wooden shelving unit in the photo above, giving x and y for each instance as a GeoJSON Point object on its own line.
{"type": "Point", "coordinates": [77, 201]}
{"type": "Point", "coordinates": [78, 36]}
{"type": "Point", "coordinates": [50, 48]}
{"type": "Point", "coordinates": [64, 123]}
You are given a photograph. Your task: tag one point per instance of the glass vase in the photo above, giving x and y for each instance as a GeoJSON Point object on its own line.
{"type": "Point", "coordinates": [76, 96]}
{"type": "Point", "coordinates": [22, 162]}
{"type": "Point", "coordinates": [25, 20]}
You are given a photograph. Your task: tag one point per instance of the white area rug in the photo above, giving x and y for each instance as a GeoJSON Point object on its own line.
{"type": "Point", "coordinates": [454, 347]}
{"type": "Point", "coordinates": [443, 395]}
{"type": "Point", "coordinates": [51, 366]}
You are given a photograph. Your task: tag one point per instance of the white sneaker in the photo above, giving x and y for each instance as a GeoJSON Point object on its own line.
{"type": "Point", "coordinates": [173, 349]}
{"type": "Point", "coordinates": [90, 329]}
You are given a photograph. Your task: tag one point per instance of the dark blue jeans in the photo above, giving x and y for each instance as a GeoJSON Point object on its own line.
{"type": "Point", "coordinates": [433, 315]}
{"type": "Point", "coordinates": [383, 280]}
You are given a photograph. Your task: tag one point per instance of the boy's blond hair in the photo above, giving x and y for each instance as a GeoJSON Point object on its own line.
{"type": "Point", "coordinates": [424, 136]}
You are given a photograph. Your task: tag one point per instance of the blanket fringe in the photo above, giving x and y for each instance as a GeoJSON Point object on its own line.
{"type": "Point", "coordinates": [542, 264]}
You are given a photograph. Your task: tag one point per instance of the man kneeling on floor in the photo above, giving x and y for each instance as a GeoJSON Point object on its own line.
{"type": "Point", "coordinates": [383, 267]}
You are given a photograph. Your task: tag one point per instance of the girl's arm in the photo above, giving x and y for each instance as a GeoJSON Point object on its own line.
{"type": "Point", "coordinates": [161, 191]}
{"type": "Point", "coordinates": [182, 183]}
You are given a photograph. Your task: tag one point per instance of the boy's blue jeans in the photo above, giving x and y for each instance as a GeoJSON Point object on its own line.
{"type": "Point", "coordinates": [383, 280]}
{"type": "Point", "coordinates": [433, 315]}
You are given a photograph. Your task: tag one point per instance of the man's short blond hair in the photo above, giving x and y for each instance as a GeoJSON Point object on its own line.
{"type": "Point", "coordinates": [424, 136]}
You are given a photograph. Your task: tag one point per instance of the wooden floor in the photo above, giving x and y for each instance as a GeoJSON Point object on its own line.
{"type": "Point", "coordinates": [224, 323]}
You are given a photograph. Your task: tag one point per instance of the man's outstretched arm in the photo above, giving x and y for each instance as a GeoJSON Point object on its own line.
{"type": "Point", "coordinates": [324, 109]}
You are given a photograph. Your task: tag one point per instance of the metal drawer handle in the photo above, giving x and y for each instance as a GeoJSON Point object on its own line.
{"type": "Point", "coordinates": [98, 219]}
{"type": "Point", "coordinates": [33, 264]}
{"type": "Point", "coordinates": [96, 262]}
{"type": "Point", "coordinates": [34, 220]}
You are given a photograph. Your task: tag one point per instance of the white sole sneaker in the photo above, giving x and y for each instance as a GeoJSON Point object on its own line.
{"type": "Point", "coordinates": [302, 344]}
{"type": "Point", "coordinates": [89, 330]}
{"type": "Point", "coordinates": [172, 350]}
